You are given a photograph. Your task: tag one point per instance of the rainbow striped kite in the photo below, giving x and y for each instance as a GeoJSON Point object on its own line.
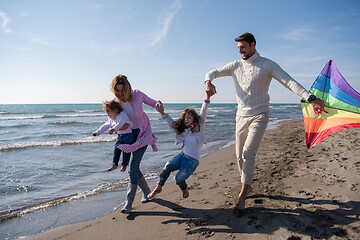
{"type": "Point", "coordinates": [342, 106]}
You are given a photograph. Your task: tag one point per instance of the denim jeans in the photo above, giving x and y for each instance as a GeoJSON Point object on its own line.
{"type": "Point", "coordinates": [127, 138]}
{"type": "Point", "coordinates": [134, 171]}
{"type": "Point", "coordinates": [186, 166]}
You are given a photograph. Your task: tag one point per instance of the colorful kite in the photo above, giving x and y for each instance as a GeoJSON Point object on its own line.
{"type": "Point", "coordinates": [342, 106]}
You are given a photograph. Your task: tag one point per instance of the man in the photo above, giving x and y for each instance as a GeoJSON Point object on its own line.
{"type": "Point", "coordinates": [252, 76]}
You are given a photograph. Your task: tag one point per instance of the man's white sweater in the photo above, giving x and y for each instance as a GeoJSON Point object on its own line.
{"type": "Point", "coordinates": [252, 78]}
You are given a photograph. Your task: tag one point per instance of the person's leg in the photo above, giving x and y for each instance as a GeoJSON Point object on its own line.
{"type": "Point", "coordinates": [256, 132]}
{"type": "Point", "coordinates": [187, 167]}
{"type": "Point", "coordinates": [135, 175]}
{"type": "Point", "coordinates": [130, 196]}
{"type": "Point", "coordinates": [126, 139]}
{"type": "Point", "coordinates": [145, 189]}
{"type": "Point", "coordinates": [170, 166]}
{"type": "Point", "coordinates": [117, 153]}
{"type": "Point", "coordinates": [241, 135]}
{"type": "Point", "coordinates": [134, 171]}
{"type": "Point", "coordinates": [240, 203]}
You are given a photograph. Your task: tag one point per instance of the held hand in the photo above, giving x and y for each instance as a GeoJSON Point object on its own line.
{"type": "Point", "coordinates": [160, 108]}
{"type": "Point", "coordinates": [318, 105]}
{"type": "Point", "coordinates": [208, 96]}
{"type": "Point", "coordinates": [111, 131]}
{"type": "Point", "coordinates": [94, 134]}
{"type": "Point", "coordinates": [210, 88]}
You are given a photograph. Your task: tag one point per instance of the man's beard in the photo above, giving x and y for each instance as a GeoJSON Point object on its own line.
{"type": "Point", "coordinates": [246, 57]}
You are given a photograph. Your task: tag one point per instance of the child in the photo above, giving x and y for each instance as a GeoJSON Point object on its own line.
{"type": "Point", "coordinates": [120, 123]}
{"type": "Point", "coordinates": [190, 132]}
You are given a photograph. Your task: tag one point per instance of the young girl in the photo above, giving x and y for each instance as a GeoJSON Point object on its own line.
{"type": "Point", "coordinates": [190, 132]}
{"type": "Point", "coordinates": [119, 122]}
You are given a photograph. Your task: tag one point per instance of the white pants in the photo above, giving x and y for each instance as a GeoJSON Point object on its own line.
{"type": "Point", "coordinates": [249, 133]}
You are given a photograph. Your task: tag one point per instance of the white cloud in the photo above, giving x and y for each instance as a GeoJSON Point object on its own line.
{"type": "Point", "coordinates": [299, 34]}
{"type": "Point", "coordinates": [5, 22]}
{"type": "Point", "coordinates": [147, 41]}
{"type": "Point", "coordinates": [165, 23]}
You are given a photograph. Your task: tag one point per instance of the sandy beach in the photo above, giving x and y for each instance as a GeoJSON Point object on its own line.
{"type": "Point", "coordinates": [298, 194]}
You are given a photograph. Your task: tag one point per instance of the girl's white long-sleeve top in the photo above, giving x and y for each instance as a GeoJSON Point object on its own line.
{"type": "Point", "coordinates": [192, 142]}
{"type": "Point", "coordinates": [116, 124]}
{"type": "Point", "coordinates": [252, 78]}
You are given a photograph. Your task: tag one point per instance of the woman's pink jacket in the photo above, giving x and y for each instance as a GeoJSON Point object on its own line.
{"type": "Point", "coordinates": [145, 137]}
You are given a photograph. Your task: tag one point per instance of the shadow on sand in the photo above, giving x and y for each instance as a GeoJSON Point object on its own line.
{"type": "Point", "coordinates": [314, 221]}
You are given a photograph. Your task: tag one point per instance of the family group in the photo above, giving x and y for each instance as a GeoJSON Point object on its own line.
{"type": "Point", "coordinates": [252, 75]}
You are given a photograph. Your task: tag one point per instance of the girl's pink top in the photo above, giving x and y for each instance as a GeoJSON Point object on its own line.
{"type": "Point", "coordinates": [145, 137]}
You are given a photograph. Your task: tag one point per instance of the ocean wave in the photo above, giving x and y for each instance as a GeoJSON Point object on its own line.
{"type": "Point", "coordinates": [74, 115]}
{"type": "Point", "coordinates": [51, 116]}
{"type": "Point", "coordinates": [225, 114]}
{"type": "Point", "coordinates": [56, 135]}
{"type": "Point", "coordinates": [19, 146]}
{"type": "Point", "coordinates": [285, 106]}
{"type": "Point", "coordinates": [154, 119]}
{"type": "Point", "coordinates": [53, 202]}
{"type": "Point", "coordinates": [106, 187]}
{"type": "Point", "coordinates": [162, 132]}
{"type": "Point", "coordinates": [165, 142]}
{"type": "Point", "coordinates": [21, 117]}
{"type": "Point", "coordinates": [74, 123]}
{"type": "Point", "coordinates": [17, 126]}
{"type": "Point", "coordinates": [221, 109]}
{"type": "Point", "coordinates": [87, 111]}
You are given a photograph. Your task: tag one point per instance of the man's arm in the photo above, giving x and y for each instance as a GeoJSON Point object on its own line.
{"type": "Point", "coordinates": [285, 79]}
{"type": "Point", "coordinates": [219, 72]}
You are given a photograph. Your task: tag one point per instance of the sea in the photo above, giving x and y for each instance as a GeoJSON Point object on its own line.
{"type": "Point", "coordinates": [53, 171]}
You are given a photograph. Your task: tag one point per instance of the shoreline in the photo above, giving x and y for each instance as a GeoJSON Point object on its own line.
{"type": "Point", "coordinates": [297, 193]}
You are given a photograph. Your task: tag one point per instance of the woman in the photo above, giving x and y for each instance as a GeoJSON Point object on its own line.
{"type": "Point", "coordinates": [131, 102]}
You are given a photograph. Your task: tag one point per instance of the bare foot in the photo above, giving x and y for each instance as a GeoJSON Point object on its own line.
{"type": "Point", "coordinates": [156, 190]}
{"type": "Point", "coordinates": [113, 167]}
{"type": "Point", "coordinates": [185, 193]}
{"type": "Point", "coordinates": [123, 168]}
{"type": "Point", "coordinates": [240, 204]}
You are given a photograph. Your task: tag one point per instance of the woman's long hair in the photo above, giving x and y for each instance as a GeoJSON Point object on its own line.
{"type": "Point", "coordinates": [126, 94]}
{"type": "Point", "coordinates": [179, 125]}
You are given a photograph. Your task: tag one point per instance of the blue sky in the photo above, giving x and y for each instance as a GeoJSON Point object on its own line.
{"type": "Point", "coordinates": [68, 51]}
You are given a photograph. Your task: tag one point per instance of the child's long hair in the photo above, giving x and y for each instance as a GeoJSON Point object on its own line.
{"type": "Point", "coordinates": [179, 125]}
{"type": "Point", "coordinates": [126, 94]}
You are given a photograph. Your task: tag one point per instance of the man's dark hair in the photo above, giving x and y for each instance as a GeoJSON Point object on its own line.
{"type": "Point", "coordinates": [247, 37]}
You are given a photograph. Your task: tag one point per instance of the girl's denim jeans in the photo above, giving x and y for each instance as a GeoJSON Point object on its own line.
{"type": "Point", "coordinates": [186, 166]}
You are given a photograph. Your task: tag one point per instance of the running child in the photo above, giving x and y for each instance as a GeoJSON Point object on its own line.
{"type": "Point", "coordinates": [118, 122]}
{"type": "Point", "coordinates": [190, 132]}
